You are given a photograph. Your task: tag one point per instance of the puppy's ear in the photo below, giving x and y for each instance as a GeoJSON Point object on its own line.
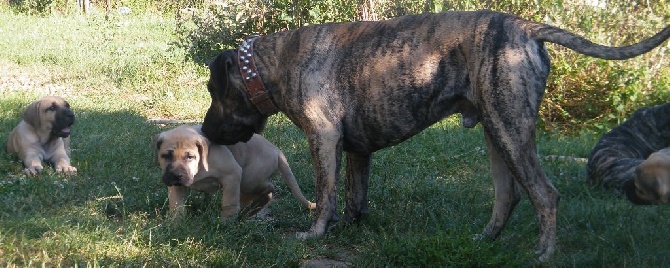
{"type": "Point", "coordinates": [32, 114]}
{"type": "Point", "coordinates": [203, 150]}
{"type": "Point", "coordinates": [156, 143]}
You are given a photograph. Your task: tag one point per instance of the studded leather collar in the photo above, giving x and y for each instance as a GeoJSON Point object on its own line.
{"type": "Point", "coordinates": [252, 80]}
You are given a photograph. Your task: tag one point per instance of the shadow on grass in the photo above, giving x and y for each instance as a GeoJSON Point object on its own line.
{"type": "Point", "coordinates": [428, 197]}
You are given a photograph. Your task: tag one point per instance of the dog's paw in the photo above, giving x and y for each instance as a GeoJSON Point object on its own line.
{"type": "Point", "coordinates": [478, 237]}
{"type": "Point", "coordinates": [229, 211]}
{"type": "Point", "coordinates": [66, 170]}
{"type": "Point", "coordinates": [544, 253]}
{"type": "Point", "coordinates": [317, 230]}
{"type": "Point", "coordinates": [304, 235]}
{"type": "Point", "coordinates": [176, 213]}
{"type": "Point", "coordinates": [176, 217]}
{"type": "Point", "coordinates": [33, 170]}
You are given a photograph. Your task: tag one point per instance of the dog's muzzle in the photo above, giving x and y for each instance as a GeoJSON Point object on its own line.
{"type": "Point", "coordinates": [177, 176]}
{"type": "Point", "coordinates": [64, 120]}
{"type": "Point", "coordinates": [630, 190]}
{"type": "Point", "coordinates": [226, 135]}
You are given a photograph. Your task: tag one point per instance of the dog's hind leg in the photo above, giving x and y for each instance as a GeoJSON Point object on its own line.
{"type": "Point", "coordinates": [251, 204]}
{"type": "Point", "coordinates": [523, 164]}
{"type": "Point", "coordinates": [511, 131]}
{"type": "Point", "coordinates": [511, 87]}
{"type": "Point", "coordinates": [356, 186]}
{"type": "Point", "coordinates": [506, 192]}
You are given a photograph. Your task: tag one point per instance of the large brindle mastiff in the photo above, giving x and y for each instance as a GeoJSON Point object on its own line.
{"type": "Point", "coordinates": [634, 157]}
{"type": "Point", "coordinates": [362, 86]}
{"type": "Point", "coordinates": [44, 135]}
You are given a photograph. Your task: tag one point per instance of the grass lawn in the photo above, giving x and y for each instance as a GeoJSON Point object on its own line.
{"type": "Point", "coordinates": [428, 196]}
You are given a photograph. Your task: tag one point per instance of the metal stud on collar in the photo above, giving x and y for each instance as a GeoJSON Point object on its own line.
{"type": "Point", "coordinates": [245, 56]}
{"type": "Point", "coordinates": [252, 80]}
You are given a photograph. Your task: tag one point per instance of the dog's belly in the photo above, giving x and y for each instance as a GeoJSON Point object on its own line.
{"type": "Point", "coordinates": [378, 126]}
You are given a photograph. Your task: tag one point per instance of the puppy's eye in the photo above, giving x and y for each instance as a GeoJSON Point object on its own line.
{"type": "Point", "coordinates": [190, 157]}
{"type": "Point", "coordinates": [167, 155]}
{"type": "Point", "coordinates": [51, 108]}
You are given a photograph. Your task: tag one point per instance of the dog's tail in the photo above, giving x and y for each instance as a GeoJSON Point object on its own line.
{"type": "Point", "coordinates": [546, 33]}
{"type": "Point", "coordinates": [290, 180]}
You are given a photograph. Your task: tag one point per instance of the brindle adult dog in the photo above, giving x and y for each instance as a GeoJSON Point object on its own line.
{"type": "Point", "coordinates": [362, 86]}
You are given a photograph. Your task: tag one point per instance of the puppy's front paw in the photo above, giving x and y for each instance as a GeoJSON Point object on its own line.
{"type": "Point", "coordinates": [227, 212]}
{"type": "Point", "coordinates": [33, 170]}
{"type": "Point", "coordinates": [66, 170]}
{"type": "Point", "coordinates": [176, 213]}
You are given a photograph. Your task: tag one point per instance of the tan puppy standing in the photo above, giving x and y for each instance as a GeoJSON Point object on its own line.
{"type": "Point", "coordinates": [242, 171]}
{"type": "Point", "coordinates": [44, 135]}
{"type": "Point", "coordinates": [651, 184]}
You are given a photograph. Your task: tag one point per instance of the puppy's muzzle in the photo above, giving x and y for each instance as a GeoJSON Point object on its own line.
{"type": "Point", "coordinates": [630, 190]}
{"type": "Point", "coordinates": [177, 175]}
{"type": "Point", "coordinates": [64, 120]}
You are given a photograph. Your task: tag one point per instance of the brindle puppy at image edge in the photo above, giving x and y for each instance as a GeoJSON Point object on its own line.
{"type": "Point", "coordinates": [362, 86]}
{"type": "Point", "coordinates": [633, 157]}
{"type": "Point", "coordinates": [44, 135]}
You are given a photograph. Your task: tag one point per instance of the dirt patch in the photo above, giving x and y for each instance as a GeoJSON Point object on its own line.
{"type": "Point", "coordinates": [324, 263]}
{"type": "Point", "coordinates": [20, 78]}
{"type": "Point", "coordinates": [338, 260]}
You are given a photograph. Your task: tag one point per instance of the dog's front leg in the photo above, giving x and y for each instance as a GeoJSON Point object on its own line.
{"type": "Point", "coordinates": [176, 199]}
{"type": "Point", "coordinates": [32, 160]}
{"type": "Point", "coordinates": [356, 186]}
{"type": "Point", "coordinates": [230, 201]}
{"type": "Point", "coordinates": [326, 150]}
{"type": "Point", "coordinates": [60, 158]}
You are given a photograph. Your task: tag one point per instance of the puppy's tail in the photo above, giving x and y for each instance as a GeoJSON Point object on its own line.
{"type": "Point", "coordinates": [290, 180]}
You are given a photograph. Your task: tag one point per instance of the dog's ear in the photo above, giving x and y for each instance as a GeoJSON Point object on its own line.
{"type": "Point", "coordinates": [32, 114]}
{"type": "Point", "coordinates": [203, 150]}
{"type": "Point", "coordinates": [222, 71]}
{"type": "Point", "coordinates": [156, 143]}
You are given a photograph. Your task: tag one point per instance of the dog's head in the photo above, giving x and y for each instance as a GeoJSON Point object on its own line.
{"type": "Point", "coordinates": [181, 153]}
{"type": "Point", "coordinates": [51, 115]}
{"type": "Point", "coordinates": [651, 185]}
{"type": "Point", "coordinates": [231, 117]}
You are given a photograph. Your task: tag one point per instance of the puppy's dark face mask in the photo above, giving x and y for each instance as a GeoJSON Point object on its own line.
{"type": "Point", "coordinates": [63, 119]}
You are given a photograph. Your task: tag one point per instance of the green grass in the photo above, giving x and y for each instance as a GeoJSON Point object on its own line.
{"type": "Point", "coordinates": [428, 196]}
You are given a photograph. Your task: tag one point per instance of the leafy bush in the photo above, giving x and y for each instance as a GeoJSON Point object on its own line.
{"type": "Point", "coordinates": [32, 6]}
{"type": "Point", "coordinates": [207, 31]}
